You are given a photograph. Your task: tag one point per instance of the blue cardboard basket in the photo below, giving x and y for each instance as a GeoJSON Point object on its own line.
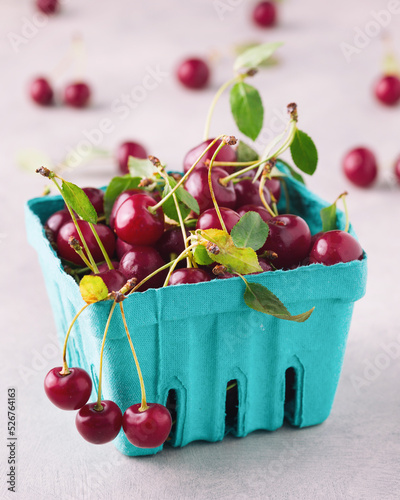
{"type": "Point", "coordinates": [192, 340]}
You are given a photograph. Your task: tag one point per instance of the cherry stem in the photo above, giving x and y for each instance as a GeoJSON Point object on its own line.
{"type": "Point", "coordinates": [65, 369]}
{"type": "Point", "coordinates": [262, 197]}
{"type": "Point", "coordinates": [98, 406]}
{"type": "Point", "coordinates": [346, 211]}
{"type": "Point", "coordinates": [183, 179]}
{"type": "Point", "coordinates": [176, 261]}
{"type": "Point", "coordinates": [224, 181]}
{"type": "Point", "coordinates": [221, 220]}
{"type": "Point", "coordinates": [220, 91]}
{"type": "Point", "coordinates": [143, 406]}
{"type": "Point", "coordinates": [103, 250]}
{"type": "Point", "coordinates": [79, 251]}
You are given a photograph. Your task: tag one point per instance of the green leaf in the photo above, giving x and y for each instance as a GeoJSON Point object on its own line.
{"type": "Point", "coordinates": [93, 289]}
{"type": "Point", "coordinates": [328, 217]}
{"type": "Point", "coordinates": [247, 109]}
{"type": "Point", "coordinates": [245, 153]}
{"type": "Point", "coordinates": [239, 260]}
{"type": "Point", "coordinates": [259, 298]}
{"type": "Point", "coordinates": [201, 256]}
{"type": "Point", "coordinates": [304, 152]}
{"type": "Point", "coordinates": [169, 207]}
{"type": "Point", "coordinates": [76, 198]}
{"type": "Point", "coordinates": [255, 57]}
{"type": "Point", "coordinates": [141, 168]}
{"type": "Point", "coordinates": [251, 231]}
{"type": "Point", "coordinates": [186, 198]}
{"type": "Point", "coordinates": [115, 188]}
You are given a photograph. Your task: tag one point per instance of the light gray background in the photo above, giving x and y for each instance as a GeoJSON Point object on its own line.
{"type": "Point", "coordinates": [355, 453]}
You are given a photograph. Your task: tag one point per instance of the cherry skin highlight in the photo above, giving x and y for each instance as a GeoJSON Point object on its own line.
{"type": "Point", "coordinates": [77, 95]}
{"type": "Point", "coordinates": [227, 153]}
{"type": "Point", "coordinates": [359, 166]}
{"type": "Point", "coordinates": [387, 90]}
{"type": "Point", "coordinates": [188, 275]}
{"type": "Point", "coordinates": [99, 427]}
{"type": "Point", "coordinates": [127, 149]}
{"type": "Point", "coordinates": [264, 14]}
{"type": "Point", "coordinates": [147, 429]}
{"type": "Point", "coordinates": [41, 92]}
{"type": "Point", "coordinates": [209, 219]}
{"type": "Point", "coordinates": [68, 392]}
{"type": "Point", "coordinates": [135, 224]}
{"type": "Point", "coordinates": [194, 73]}
{"type": "Point", "coordinates": [335, 246]}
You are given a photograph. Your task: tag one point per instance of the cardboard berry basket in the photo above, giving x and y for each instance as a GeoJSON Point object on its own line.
{"type": "Point", "coordinates": [193, 340]}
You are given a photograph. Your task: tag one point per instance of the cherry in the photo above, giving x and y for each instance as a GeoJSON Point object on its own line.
{"type": "Point", "coordinates": [227, 153]}
{"type": "Point", "coordinates": [171, 244]}
{"type": "Point", "coordinates": [66, 252]}
{"type": "Point", "coordinates": [77, 94]}
{"type": "Point", "coordinates": [387, 90]}
{"type": "Point", "coordinates": [188, 275]}
{"type": "Point", "coordinates": [68, 392]}
{"type": "Point", "coordinates": [119, 200]}
{"type": "Point", "coordinates": [141, 261]}
{"type": "Point", "coordinates": [103, 267]}
{"type": "Point", "coordinates": [335, 246]}
{"type": "Point", "coordinates": [135, 224]}
{"type": "Point", "coordinates": [290, 238]}
{"type": "Point", "coordinates": [197, 185]}
{"type": "Point", "coordinates": [96, 198]}
{"type": "Point", "coordinates": [397, 170]}
{"type": "Point", "coordinates": [57, 220]}
{"type": "Point", "coordinates": [264, 14]}
{"type": "Point", "coordinates": [47, 6]}
{"type": "Point", "coordinates": [113, 279]}
{"type": "Point", "coordinates": [209, 219]}
{"type": "Point", "coordinates": [127, 149]}
{"type": "Point", "coordinates": [193, 73]}
{"type": "Point", "coordinates": [359, 166]}
{"type": "Point", "coordinates": [247, 193]}
{"type": "Point", "coordinates": [99, 427]}
{"type": "Point", "coordinates": [274, 187]}
{"type": "Point", "coordinates": [121, 248]}
{"type": "Point", "coordinates": [149, 428]}
{"type": "Point", "coordinates": [41, 91]}
{"type": "Point", "coordinates": [262, 211]}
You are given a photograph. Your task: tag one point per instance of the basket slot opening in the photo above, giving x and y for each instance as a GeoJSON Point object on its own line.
{"type": "Point", "coordinates": [290, 393]}
{"type": "Point", "coordinates": [231, 407]}
{"type": "Point", "coordinates": [172, 406]}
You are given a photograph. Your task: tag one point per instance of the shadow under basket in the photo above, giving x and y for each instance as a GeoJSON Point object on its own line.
{"type": "Point", "coordinates": [219, 366]}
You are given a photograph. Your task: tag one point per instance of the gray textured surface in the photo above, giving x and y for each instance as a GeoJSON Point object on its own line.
{"type": "Point", "coordinates": [355, 453]}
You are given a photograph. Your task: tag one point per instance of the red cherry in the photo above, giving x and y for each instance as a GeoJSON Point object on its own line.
{"type": "Point", "coordinates": [113, 279]}
{"type": "Point", "coordinates": [127, 149]}
{"type": "Point", "coordinates": [209, 219]}
{"type": "Point", "coordinates": [119, 200]}
{"type": "Point", "coordinates": [47, 6]}
{"type": "Point", "coordinates": [194, 73]}
{"type": "Point", "coordinates": [397, 170]}
{"type": "Point", "coordinates": [359, 166]}
{"type": "Point", "coordinates": [188, 275]}
{"type": "Point", "coordinates": [171, 244]}
{"type": "Point", "coordinates": [66, 252]}
{"type": "Point", "coordinates": [335, 246]}
{"type": "Point", "coordinates": [141, 261]}
{"type": "Point", "coordinates": [68, 392]}
{"type": "Point", "coordinates": [387, 90]}
{"type": "Point", "coordinates": [262, 211]}
{"type": "Point", "coordinates": [77, 95]}
{"type": "Point", "coordinates": [121, 248]}
{"type": "Point", "coordinates": [149, 428]}
{"type": "Point", "coordinates": [227, 153]}
{"type": "Point", "coordinates": [96, 198]}
{"type": "Point", "coordinates": [247, 193]}
{"type": "Point", "coordinates": [99, 427]}
{"type": "Point", "coordinates": [274, 187]}
{"type": "Point", "coordinates": [135, 224]}
{"type": "Point", "coordinates": [57, 220]}
{"type": "Point", "coordinates": [41, 91]}
{"type": "Point", "coordinates": [264, 14]}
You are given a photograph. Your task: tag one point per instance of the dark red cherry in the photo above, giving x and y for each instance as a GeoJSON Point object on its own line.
{"type": "Point", "coordinates": [105, 234]}
{"type": "Point", "coordinates": [77, 94]}
{"type": "Point", "coordinates": [113, 279]}
{"type": "Point", "coordinates": [171, 244]}
{"type": "Point", "coordinates": [264, 14]}
{"type": "Point", "coordinates": [227, 153]}
{"type": "Point", "coordinates": [197, 186]}
{"type": "Point", "coordinates": [387, 90]}
{"type": "Point", "coordinates": [262, 211]}
{"type": "Point", "coordinates": [359, 166]}
{"type": "Point", "coordinates": [290, 238]}
{"type": "Point", "coordinates": [139, 263]}
{"type": "Point", "coordinates": [274, 187]}
{"type": "Point", "coordinates": [104, 266]}
{"type": "Point", "coordinates": [121, 248]}
{"type": "Point", "coordinates": [247, 193]}
{"type": "Point", "coordinates": [135, 224]}
{"type": "Point", "coordinates": [335, 246]}
{"type": "Point", "coordinates": [149, 428]}
{"type": "Point", "coordinates": [96, 197]}
{"type": "Point", "coordinates": [127, 149]}
{"type": "Point", "coordinates": [41, 91]}
{"type": "Point", "coordinates": [209, 219]}
{"type": "Point", "coordinates": [119, 200]}
{"type": "Point", "coordinates": [68, 392]}
{"type": "Point", "coordinates": [47, 6]}
{"type": "Point", "coordinates": [188, 275]}
{"type": "Point", "coordinates": [99, 427]}
{"type": "Point", "coordinates": [194, 73]}
{"type": "Point", "coordinates": [57, 220]}
{"type": "Point", "coordinates": [397, 170]}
